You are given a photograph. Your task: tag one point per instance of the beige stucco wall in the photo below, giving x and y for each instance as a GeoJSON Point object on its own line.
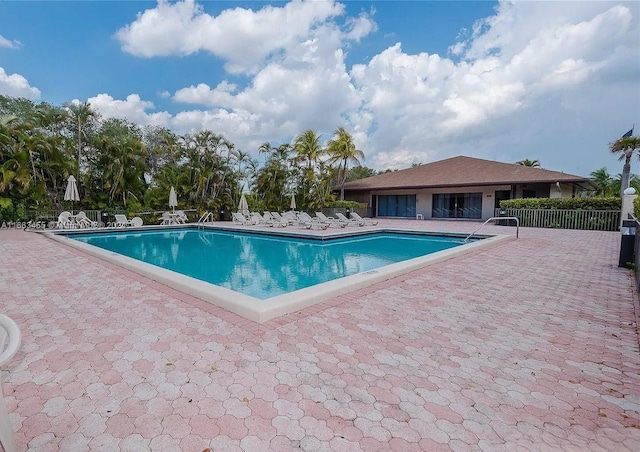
{"type": "Point", "coordinates": [564, 191]}
{"type": "Point", "coordinates": [424, 197]}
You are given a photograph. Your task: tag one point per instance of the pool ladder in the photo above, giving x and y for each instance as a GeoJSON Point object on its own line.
{"type": "Point", "coordinates": [497, 218]}
{"type": "Point", "coordinates": [206, 217]}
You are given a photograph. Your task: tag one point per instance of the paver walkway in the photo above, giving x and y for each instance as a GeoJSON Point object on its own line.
{"type": "Point", "coordinates": [531, 344]}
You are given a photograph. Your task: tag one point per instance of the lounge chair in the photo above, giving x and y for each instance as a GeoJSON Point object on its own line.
{"type": "Point", "coordinates": [256, 218]}
{"type": "Point", "coordinates": [166, 219]}
{"type": "Point", "coordinates": [349, 221]}
{"type": "Point", "coordinates": [291, 216]}
{"type": "Point", "coordinates": [64, 220]}
{"type": "Point", "coordinates": [10, 339]}
{"type": "Point", "coordinates": [84, 222]}
{"type": "Point", "coordinates": [180, 217]}
{"type": "Point", "coordinates": [367, 221]}
{"type": "Point", "coordinates": [305, 220]}
{"type": "Point", "coordinates": [239, 218]}
{"type": "Point", "coordinates": [272, 221]}
{"type": "Point", "coordinates": [122, 221]}
{"type": "Point", "coordinates": [282, 218]}
{"type": "Point", "coordinates": [332, 222]}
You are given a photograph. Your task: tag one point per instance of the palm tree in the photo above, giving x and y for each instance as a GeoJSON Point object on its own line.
{"type": "Point", "coordinates": [603, 180]}
{"type": "Point", "coordinates": [81, 114]}
{"type": "Point", "coordinates": [307, 155]}
{"type": "Point", "coordinates": [625, 147]}
{"type": "Point", "coordinates": [530, 163]}
{"type": "Point", "coordinates": [342, 149]}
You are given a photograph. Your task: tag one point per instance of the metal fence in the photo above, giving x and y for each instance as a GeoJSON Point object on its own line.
{"type": "Point", "coordinates": [595, 220]}
{"type": "Point", "coordinates": [45, 217]}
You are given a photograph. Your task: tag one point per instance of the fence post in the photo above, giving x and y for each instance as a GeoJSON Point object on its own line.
{"type": "Point", "coordinates": [627, 204]}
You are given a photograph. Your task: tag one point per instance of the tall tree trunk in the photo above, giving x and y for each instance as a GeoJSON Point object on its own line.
{"type": "Point", "coordinates": [626, 171]}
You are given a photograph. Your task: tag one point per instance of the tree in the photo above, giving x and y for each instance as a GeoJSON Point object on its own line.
{"type": "Point", "coordinates": [342, 149]}
{"type": "Point", "coordinates": [360, 172]}
{"type": "Point", "coordinates": [604, 181]}
{"type": "Point", "coordinates": [634, 182]}
{"type": "Point", "coordinates": [81, 114]}
{"type": "Point", "coordinates": [117, 169]}
{"type": "Point", "coordinates": [307, 156]}
{"type": "Point", "coordinates": [625, 147]}
{"type": "Point", "coordinates": [530, 163]}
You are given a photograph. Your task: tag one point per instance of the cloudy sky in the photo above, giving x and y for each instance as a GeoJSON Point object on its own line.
{"type": "Point", "coordinates": [413, 81]}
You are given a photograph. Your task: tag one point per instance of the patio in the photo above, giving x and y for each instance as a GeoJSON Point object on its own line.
{"type": "Point", "coordinates": [529, 344]}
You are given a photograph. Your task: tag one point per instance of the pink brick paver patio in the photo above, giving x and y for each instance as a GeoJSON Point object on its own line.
{"type": "Point", "coordinates": [531, 344]}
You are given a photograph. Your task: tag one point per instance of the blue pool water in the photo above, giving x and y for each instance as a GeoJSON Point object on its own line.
{"type": "Point", "coordinates": [264, 266]}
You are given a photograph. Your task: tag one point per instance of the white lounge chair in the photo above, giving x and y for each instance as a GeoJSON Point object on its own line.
{"type": "Point", "coordinates": [64, 220]}
{"type": "Point", "coordinates": [84, 222]}
{"type": "Point", "coordinates": [349, 221]}
{"type": "Point", "coordinates": [282, 218]}
{"type": "Point", "coordinates": [180, 217]}
{"type": "Point", "coordinates": [256, 218]}
{"type": "Point", "coordinates": [272, 221]}
{"type": "Point", "coordinates": [166, 219]}
{"type": "Point", "coordinates": [291, 216]}
{"type": "Point", "coordinates": [239, 218]}
{"type": "Point", "coordinates": [367, 221]}
{"type": "Point", "coordinates": [332, 222]}
{"type": "Point", "coordinates": [309, 222]}
{"type": "Point", "coordinates": [10, 339]}
{"type": "Point", "coordinates": [122, 221]}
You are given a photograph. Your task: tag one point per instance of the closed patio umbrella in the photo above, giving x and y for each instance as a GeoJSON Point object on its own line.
{"type": "Point", "coordinates": [243, 207]}
{"type": "Point", "coordinates": [173, 199]}
{"type": "Point", "coordinates": [71, 193]}
{"type": "Point", "coordinates": [293, 202]}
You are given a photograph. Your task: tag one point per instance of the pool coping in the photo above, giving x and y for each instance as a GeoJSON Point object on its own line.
{"type": "Point", "coordinates": [261, 311]}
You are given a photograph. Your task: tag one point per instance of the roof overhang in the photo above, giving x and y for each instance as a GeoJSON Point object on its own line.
{"type": "Point", "coordinates": [583, 184]}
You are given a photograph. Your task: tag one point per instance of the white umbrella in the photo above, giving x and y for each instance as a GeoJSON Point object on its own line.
{"type": "Point", "coordinates": [293, 202]}
{"type": "Point", "coordinates": [173, 198]}
{"type": "Point", "coordinates": [243, 206]}
{"type": "Point", "coordinates": [71, 193]}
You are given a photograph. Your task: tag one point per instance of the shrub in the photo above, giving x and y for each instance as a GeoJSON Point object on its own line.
{"type": "Point", "coordinates": [11, 211]}
{"type": "Point", "coordinates": [636, 207]}
{"type": "Point", "coordinates": [563, 203]}
{"type": "Point", "coordinates": [346, 204]}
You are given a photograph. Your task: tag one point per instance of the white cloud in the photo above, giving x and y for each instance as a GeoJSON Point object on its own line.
{"type": "Point", "coordinates": [539, 80]}
{"type": "Point", "coordinates": [132, 109]}
{"type": "Point", "coordinates": [242, 37]}
{"type": "Point", "coordinates": [6, 43]}
{"type": "Point", "coordinates": [360, 27]}
{"type": "Point", "coordinates": [520, 71]}
{"type": "Point", "coordinates": [15, 85]}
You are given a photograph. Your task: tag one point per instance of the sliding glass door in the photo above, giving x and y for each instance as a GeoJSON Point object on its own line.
{"type": "Point", "coordinates": [397, 206]}
{"type": "Point", "coordinates": [457, 205]}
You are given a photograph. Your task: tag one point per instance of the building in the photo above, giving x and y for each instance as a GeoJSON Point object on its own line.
{"type": "Point", "coordinates": [460, 187]}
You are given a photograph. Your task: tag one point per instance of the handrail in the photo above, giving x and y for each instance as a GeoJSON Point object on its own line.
{"type": "Point", "coordinates": [497, 218]}
{"type": "Point", "coordinates": [206, 217]}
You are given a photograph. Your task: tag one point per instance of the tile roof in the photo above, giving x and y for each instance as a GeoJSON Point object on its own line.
{"type": "Point", "coordinates": [463, 171]}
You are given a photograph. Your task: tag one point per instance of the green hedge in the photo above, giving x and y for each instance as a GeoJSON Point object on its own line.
{"type": "Point", "coordinates": [11, 211]}
{"type": "Point", "coordinates": [346, 204]}
{"type": "Point", "coordinates": [563, 203]}
{"type": "Point", "coordinates": [636, 207]}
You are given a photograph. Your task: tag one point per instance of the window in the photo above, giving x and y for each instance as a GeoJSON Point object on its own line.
{"type": "Point", "coordinates": [397, 206]}
{"type": "Point", "coordinates": [457, 205]}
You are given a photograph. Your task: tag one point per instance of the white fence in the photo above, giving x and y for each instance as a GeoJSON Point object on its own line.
{"type": "Point", "coordinates": [596, 220]}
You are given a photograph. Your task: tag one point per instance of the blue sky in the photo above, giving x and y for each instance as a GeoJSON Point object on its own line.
{"type": "Point", "coordinates": [414, 81]}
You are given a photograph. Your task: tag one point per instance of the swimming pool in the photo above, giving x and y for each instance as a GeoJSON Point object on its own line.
{"type": "Point", "coordinates": [262, 275]}
{"type": "Point", "coordinates": [264, 266]}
